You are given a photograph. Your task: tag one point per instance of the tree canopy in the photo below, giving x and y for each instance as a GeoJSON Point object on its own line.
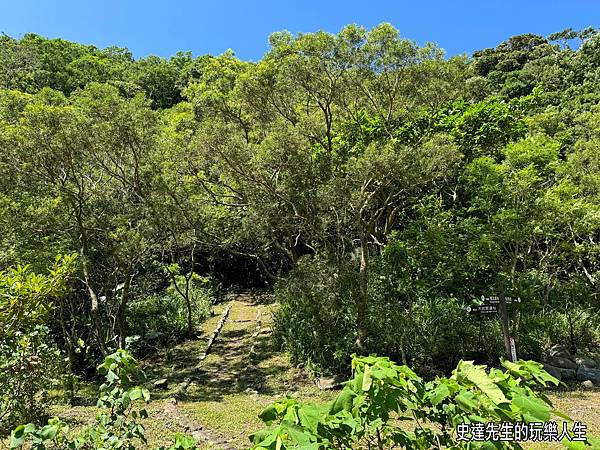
{"type": "Point", "coordinates": [376, 185]}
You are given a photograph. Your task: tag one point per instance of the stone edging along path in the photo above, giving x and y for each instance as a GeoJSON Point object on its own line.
{"type": "Point", "coordinates": [215, 334]}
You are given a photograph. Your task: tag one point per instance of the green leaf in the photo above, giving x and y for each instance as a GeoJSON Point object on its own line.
{"type": "Point", "coordinates": [593, 442]}
{"type": "Point", "coordinates": [135, 393]}
{"type": "Point", "coordinates": [573, 445]}
{"type": "Point", "coordinates": [367, 380]}
{"type": "Point", "coordinates": [17, 437]}
{"type": "Point", "coordinates": [343, 401]}
{"type": "Point", "coordinates": [111, 376]}
{"type": "Point", "coordinates": [310, 416]}
{"type": "Point", "coordinates": [19, 434]}
{"type": "Point", "coordinates": [465, 399]}
{"type": "Point", "coordinates": [440, 393]}
{"type": "Point", "coordinates": [562, 415]}
{"type": "Point", "coordinates": [261, 436]}
{"type": "Point", "coordinates": [268, 415]}
{"type": "Point", "coordinates": [531, 408]}
{"type": "Point", "coordinates": [478, 376]}
{"type": "Point", "coordinates": [183, 442]}
{"type": "Point", "coordinates": [126, 400]}
{"type": "Point", "coordinates": [297, 434]}
{"type": "Point", "coordinates": [49, 432]}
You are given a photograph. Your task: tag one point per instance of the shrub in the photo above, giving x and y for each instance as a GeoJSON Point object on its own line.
{"type": "Point", "coordinates": [316, 319]}
{"type": "Point", "coordinates": [575, 326]}
{"type": "Point", "coordinates": [30, 365]}
{"type": "Point", "coordinates": [368, 412]}
{"type": "Point", "coordinates": [437, 333]}
{"type": "Point", "coordinates": [160, 319]}
{"type": "Point", "coordinates": [29, 361]}
{"type": "Point", "coordinates": [117, 424]}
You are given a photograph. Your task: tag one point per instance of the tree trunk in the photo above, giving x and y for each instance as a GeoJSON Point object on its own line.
{"type": "Point", "coordinates": [69, 379]}
{"type": "Point", "coordinates": [94, 304]}
{"type": "Point", "coordinates": [188, 303]}
{"type": "Point", "coordinates": [573, 346]}
{"type": "Point", "coordinates": [122, 311]}
{"type": "Point", "coordinates": [504, 321]}
{"type": "Point", "coordinates": [362, 300]}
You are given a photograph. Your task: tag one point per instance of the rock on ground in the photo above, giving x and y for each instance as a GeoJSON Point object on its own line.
{"type": "Point", "coordinates": [329, 383]}
{"type": "Point", "coordinates": [592, 375]}
{"type": "Point", "coordinates": [162, 384]}
{"type": "Point", "coordinates": [559, 361]}
{"type": "Point", "coordinates": [567, 374]}
{"type": "Point", "coordinates": [554, 371]}
{"type": "Point", "coordinates": [587, 384]}
{"type": "Point", "coordinates": [559, 351]}
{"type": "Point", "coordinates": [586, 363]}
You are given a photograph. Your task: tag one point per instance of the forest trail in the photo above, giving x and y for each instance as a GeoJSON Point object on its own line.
{"type": "Point", "coordinates": [244, 372]}
{"type": "Point", "coordinates": [216, 397]}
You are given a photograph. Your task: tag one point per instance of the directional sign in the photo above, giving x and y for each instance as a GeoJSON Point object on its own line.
{"type": "Point", "coordinates": [495, 300]}
{"type": "Point", "coordinates": [491, 304]}
{"type": "Point", "coordinates": [482, 309]}
{"type": "Point", "coordinates": [497, 304]}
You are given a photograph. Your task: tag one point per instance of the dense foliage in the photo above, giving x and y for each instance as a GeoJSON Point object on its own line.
{"type": "Point", "coordinates": [117, 424]}
{"type": "Point", "coordinates": [379, 187]}
{"type": "Point", "coordinates": [370, 410]}
{"type": "Point", "coordinates": [30, 362]}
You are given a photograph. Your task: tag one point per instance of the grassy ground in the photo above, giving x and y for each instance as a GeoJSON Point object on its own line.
{"type": "Point", "coordinates": [234, 385]}
{"type": "Point", "coordinates": [229, 388]}
{"type": "Point", "coordinates": [243, 374]}
{"type": "Point", "coordinates": [581, 406]}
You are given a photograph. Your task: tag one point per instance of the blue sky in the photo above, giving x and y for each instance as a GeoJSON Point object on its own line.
{"type": "Point", "coordinates": [164, 27]}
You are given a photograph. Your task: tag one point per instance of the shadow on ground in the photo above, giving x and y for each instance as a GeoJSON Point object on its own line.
{"type": "Point", "coordinates": [239, 361]}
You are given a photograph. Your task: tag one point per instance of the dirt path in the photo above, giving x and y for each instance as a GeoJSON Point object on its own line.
{"type": "Point", "coordinates": [227, 367]}
{"type": "Point", "coordinates": [217, 397]}
{"type": "Point", "coordinates": [170, 412]}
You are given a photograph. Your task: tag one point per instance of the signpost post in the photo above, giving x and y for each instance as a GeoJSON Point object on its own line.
{"type": "Point", "coordinates": [513, 350]}
{"type": "Point", "coordinates": [504, 321]}
{"type": "Point", "coordinates": [497, 304]}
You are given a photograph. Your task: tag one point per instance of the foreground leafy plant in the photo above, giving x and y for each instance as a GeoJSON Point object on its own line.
{"type": "Point", "coordinates": [30, 363]}
{"type": "Point", "coordinates": [117, 424]}
{"type": "Point", "coordinates": [370, 409]}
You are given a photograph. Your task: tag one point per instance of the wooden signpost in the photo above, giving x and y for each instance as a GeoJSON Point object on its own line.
{"type": "Point", "coordinates": [497, 304]}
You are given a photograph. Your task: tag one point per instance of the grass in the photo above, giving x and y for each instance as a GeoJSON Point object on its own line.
{"type": "Point", "coordinates": [581, 406]}
{"type": "Point", "coordinates": [232, 386]}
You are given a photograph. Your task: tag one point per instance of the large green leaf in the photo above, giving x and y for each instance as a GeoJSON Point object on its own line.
{"type": "Point", "coordinates": [478, 376]}
{"type": "Point", "coordinates": [439, 394]}
{"type": "Point", "coordinates": [466, 399]}
{"type": "Point", "coordinates": [343, 401]}
{"type": "Point", "coordinates": [19, 435]}
{"type": "Point", "coordinates": [49, 432]}
{"type": "Point", "coordinates": [532, 409]}
{"type": "Point", "coordinates": [268, 415]}
{"type": "Point", "coordinates": [310, 416]}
